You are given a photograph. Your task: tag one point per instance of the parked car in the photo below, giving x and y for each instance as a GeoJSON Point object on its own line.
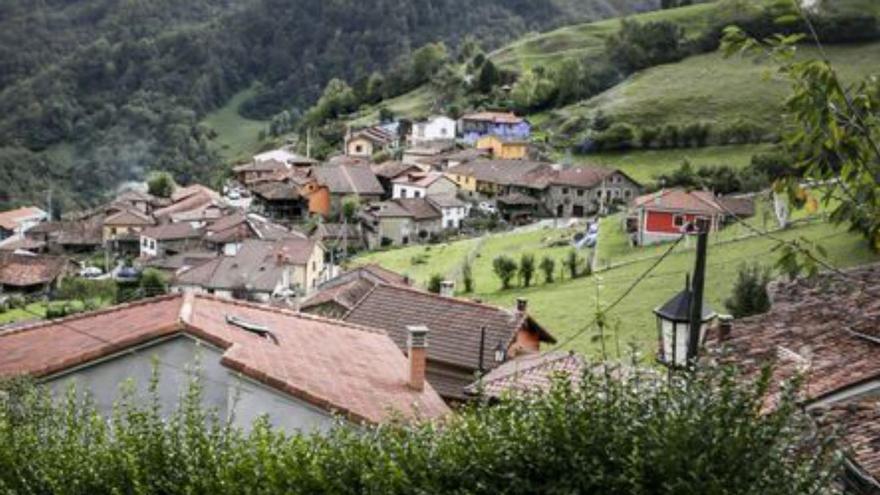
{"type": "Point", "coordinates": [487, 207]}
{"type": "Point", "coordinates": [91, 272]}
{"type": "Point", "coordinates": [128, 273]}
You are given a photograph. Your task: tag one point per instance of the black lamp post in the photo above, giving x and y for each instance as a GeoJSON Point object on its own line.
{"type": "Point", "coordinates": [682, 321]}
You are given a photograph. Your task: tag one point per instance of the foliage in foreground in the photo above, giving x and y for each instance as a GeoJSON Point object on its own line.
{"type": "Point", "coordinates": [705, 435]}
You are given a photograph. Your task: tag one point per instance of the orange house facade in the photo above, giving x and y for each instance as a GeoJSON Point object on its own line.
{"type": "Point", "coordinates": [504, 148]}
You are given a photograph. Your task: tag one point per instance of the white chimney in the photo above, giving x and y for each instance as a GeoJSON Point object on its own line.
{"type": "Point", "coordinates": [417, 351]}
{"type": "Point", "coordinates": [447, 288]}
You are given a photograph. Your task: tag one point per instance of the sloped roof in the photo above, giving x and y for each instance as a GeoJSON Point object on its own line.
{"type": "Point", "coordinates": [349, 179]}
{"type": "Point", "coordinates": [392, 169]}
{"type": "Point", "coordinates": [172, 231]}
{"type": "Point", "coordinates": [267, 165]}
{"type": "Point", "coordinates": [22, 270]}
{"type": "Point", "coordinates": [375, 134]}
{"type": "Point", "coordinates": [581, 176]}
{"type": "Point", "coordinates": [679, 200]}
{"type": "Point", "coordinates": [129, 217]}
{"type": "Point", "coordinates": [525, 173]}
{"type": "Point", "coordinates": [415, 208]}
{"type": "Point", "coordinates": [81, 232]}
{"type": "Point", "coordinates": [348, 288]}
{"type": "Point", "coordinates": [180, 260]}
{"type": "Point", "coordinates": [533, 372]}
{"type": "Point", "coordinates": [678, 308]}
{"type": "Point", "coordinates": [335, 366]}
{"type": "Point", "coordinates": [493, 117]}
{"type": "Point", "coordinates": [276, 191]}
{"type": "Point", "coordinates": [10, 219]}
{"type": "Point", "coordinates": [454, 324]}
{"type": "Point", "coordinates": [196, 197]}
{"type": "Point", "coordinates": [828, 328]}
{"type": "Point", "coordinates": [420, 179]}
{"type": "Point", "coordinates": [446, 201]}
{"type": "Point", "coordinates": [857, 422]}
{"type": "Point", "coordinates": [258, 265]}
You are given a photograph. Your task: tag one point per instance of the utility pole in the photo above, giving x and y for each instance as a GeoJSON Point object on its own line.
{"type": "Point", "coordinates": [308, 142]}
{"type": "Point", "coordinates": [482, 348]}
{"type": "Point", "coordinates": [696, 303]}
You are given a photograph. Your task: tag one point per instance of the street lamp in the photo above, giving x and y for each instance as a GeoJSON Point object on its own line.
{"type": "Point", "coordinates": [673, 328]}
{"type": "Point", "coordinates": [500, 353]}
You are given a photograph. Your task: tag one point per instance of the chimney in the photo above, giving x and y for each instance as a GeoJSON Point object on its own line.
{"type": "Point", "coordinates": [417, 350]}
{"type": "Point", "coordinates": [521, 304]}
{"type": "Point", "coordinates": [447, 288]}
{"type": "Point", "coordinates": [725, 327]}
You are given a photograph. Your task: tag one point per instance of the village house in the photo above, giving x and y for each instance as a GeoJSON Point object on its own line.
{"type": "Point", "coordinates": [226, 234]}
{"type": "Point", "coordinates": [663, 215]}
{"type": "Point", "coordinates": [490, 178]}
{"type": "Point", "coordinates": [260, 270]}
{"type": "Point", "coordinates": [254, 171]}
{"type": "Point", "coordinates": [416, 155]}
{"type": "Point", "coordinates": [585, 190]}
{"type": "Point", "coordinates": [122, 230]}
{"type": "Point", "coordinates": [826, 330]}
{"type": "Point", "coordinates": [284, 156]}
{"type": "Point", "coordinates": [339, 295]}
{"type": "Point", "coordinates": [452, 210]}
{"type": "Point", "coordinates": [400, 222]}
{"type": "Point", "coordinates": [14, 223]}
{"type": "Point", "coordinates": [168, 239]}
{"type": "Point", "coordinates": [434, 128]}
{"type": "Point", "coordinates": [32, 274]}
{"type": "Point", "coordinates": [353, 181]}
{"type": "Point", "coordinates": [387, 171]}
{"type": "Point", "coordinates": [195, 203]}
{"type": "Point", "coordinates": [458, 330]}
{"type": "Point", "coordinates": [141, 201]}
{"type": "Point", "coordinates": [423, 185]}
{"type": "Point", "coordinates": [254, 361]}
{"type": "Point", "coordinates": [473, 126]}
{"type": "Point", "coordinates": [504, 148]}
{"type": "Point", "coordinates": [367, 142]}
{"type": "Point", "coordinates": [341, 237]}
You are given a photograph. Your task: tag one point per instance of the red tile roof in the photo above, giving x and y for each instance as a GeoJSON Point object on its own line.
{"type": "Point", "coordinates": [529, 373]}
{"type": "Point", "coordinates": [172, 231]}
{"type": "Point", "coordinates": [22, 270]}
{"type": "Point", "coordinates": [857, 423]}
{"type": "Point", "coordinates": [10, 219]}
{"type": "Point", "coordinates": [129, 217]}
{"type": "Point", "coordinates": [583, 176]}
{"type": "Point", "coordinates": [679, 200]}
{"type": "Point", "coordinates": [827, 328]}
{"type": "Point", "coordinates": [454, 325]}
{"type": "Point", "coordinates": [356, 371]}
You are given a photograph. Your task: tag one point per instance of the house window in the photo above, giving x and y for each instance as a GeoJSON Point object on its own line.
{"type": "Point", "coordinates": [358, 148]}
{"type": "Point", "coordinates": [564, 190]}
{"type": "Point", "coordinates": [314, 266]}
{"type": "Point", "coordinates": [417, 194]}
{"type": "Point", "coordinates": [627, 193]}
{"type": "Point", "coordinates": [450, 223]}
{"type": "Point", "coordinates": [580, 192]}
{"type": "Point", "coordinates": [678, 220]}
{"type": "Point", "coordinates": [403, 193]}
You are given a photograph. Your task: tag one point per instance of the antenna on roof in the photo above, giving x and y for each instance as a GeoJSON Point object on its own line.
{"type": "Point", "coordinates": [261, 330]}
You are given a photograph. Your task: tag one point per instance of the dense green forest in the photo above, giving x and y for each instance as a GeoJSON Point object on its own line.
{"type": "Point", "coordinates": [96, 92]}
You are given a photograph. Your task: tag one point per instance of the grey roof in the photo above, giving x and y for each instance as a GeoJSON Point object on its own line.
{"type": "Point", "coordinates": [525, 173]}
{"type": "Point", "coordinates": [678, 308]}
{"type": "Point", "coordinates": [349, 179]}
{"type": "Point", "coordinates": [446, 201]}
{"type": "Point", "coordinates": [415, 208]}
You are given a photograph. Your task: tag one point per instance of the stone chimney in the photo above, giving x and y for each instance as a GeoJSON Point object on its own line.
{"type": "Point", "coordinates": [522, 304]}
{"type": "Point", "coordinates": [447, 288]}
{"type": "Point", "coordinates": [417, 350]}
{"type": "Point", "coordinates": [725, 327]}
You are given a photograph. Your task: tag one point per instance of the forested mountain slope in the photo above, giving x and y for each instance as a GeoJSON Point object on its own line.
{"type": "Point", "coordinates": [94, 92]}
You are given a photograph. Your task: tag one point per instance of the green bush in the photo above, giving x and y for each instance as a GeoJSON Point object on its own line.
{"type": "Point", "coordinates": [435, 283]}
{"type": "Point", "coordinates": [505, 268]}
{"type": "Point", "coordinates": [526, 269]}
{"type": "Point", "coordinates": [572, 263]}
{"type": "Point", "coordinates": [548, 265]}
{"type": "Point", "coordinates": [16, 301]}
{"type": "Point", "coordinates": [467, 277]}
{"type": "Point", "coordinates": [619, 136]}
{"type": "Point", "coordinates": [749, 296]}
{"type": "Point", "coordinates": [707, 435]}
{"type": "Point", "coordinates": [84, 289]}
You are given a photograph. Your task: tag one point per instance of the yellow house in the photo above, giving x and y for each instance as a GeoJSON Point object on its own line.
{"type": "Point", "coordinates": [366, 142]}
{"type": "Point", "coordinates": [126, 225]}
{"type": "Point", "coordinates": [504, 148]}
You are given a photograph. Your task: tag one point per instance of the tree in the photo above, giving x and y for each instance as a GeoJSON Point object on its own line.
{"type": "Point", "coordinates": [435, 283]}
{"type": "Point", "coordinates": [153, 283]}
{"type": "Point", "coordinates": [548, 265]}
{"type": "Point", "coordinates": [834, 132]}
{"type": "Point", "coordinates": [526, 269]}
{"type": "Point", "coordinates": [572, 263]}
{"type": "Point", "coordinates": [427, 60]}
{"type": "Point", "coordinates": [749, 296]}
{"type": "Point", "coordinates": [160, 184]}
{"type": "Point", "coordinates": [467, 277]}
{"type": "Point", "coordinates": [505, 268]}
{"type": "Point", "coordinates": [620, 136]}
{"type": "Point", "coordinates": [350, 206]}
{"type": "Point", "coordinates": [489, 77]}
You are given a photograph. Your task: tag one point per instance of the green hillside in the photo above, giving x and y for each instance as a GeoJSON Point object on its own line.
{"type": "Point", "coordinates": [713, 88]}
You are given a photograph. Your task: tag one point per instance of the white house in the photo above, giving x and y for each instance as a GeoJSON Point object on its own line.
{"type": "Point", "coordinates": [453, 209]}
{"type": "Point", "coordinates": [423, 185]}
{"type": "Point", "coordinates": [254, 361]}
{"type": "Point", "coordinates": [434, 128]}
{"type": "Point", "coordinates": [14, 223]}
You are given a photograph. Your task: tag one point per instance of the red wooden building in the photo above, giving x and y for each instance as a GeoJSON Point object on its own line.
{"type": "Point", "coordinates": [663, 215]}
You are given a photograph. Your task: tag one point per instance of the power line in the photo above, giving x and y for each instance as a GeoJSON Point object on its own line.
{"type": "Point", "coordinates": [626, 292]}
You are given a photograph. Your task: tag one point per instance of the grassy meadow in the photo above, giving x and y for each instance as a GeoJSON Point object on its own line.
{"type": "Point", "coordinates": [237, 137]}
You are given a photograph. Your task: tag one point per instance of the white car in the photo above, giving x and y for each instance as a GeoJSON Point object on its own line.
{"type": "Point", "coordinates": [487, 207]}
{"type": "Point", "coordinates": [90, 272]}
